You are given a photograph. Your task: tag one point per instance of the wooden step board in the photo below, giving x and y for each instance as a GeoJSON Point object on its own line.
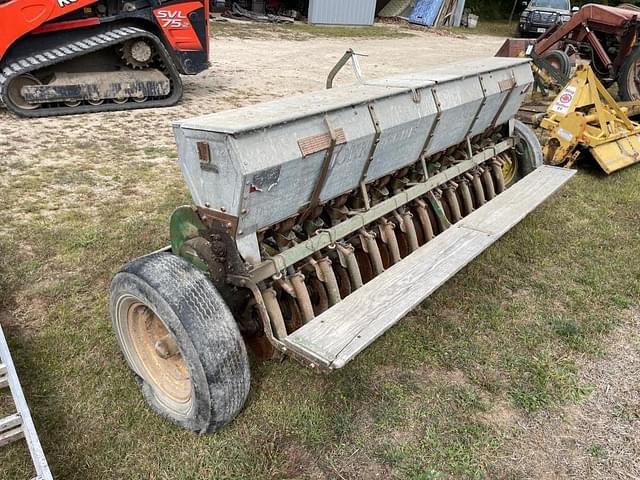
{"type": "Point", "coordinates": [339, 334]}
{"type": "Point", "coordinates": [4, 379]}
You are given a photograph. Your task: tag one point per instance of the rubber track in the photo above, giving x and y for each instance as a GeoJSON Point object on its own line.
{"type": "Point", "coordinates": [78, 48]}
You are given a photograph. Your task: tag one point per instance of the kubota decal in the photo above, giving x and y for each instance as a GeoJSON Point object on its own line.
{"type": "Point", "coordinates": [65, 3]}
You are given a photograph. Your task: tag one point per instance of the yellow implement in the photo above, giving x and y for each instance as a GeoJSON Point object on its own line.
{"type": "Point", "coordinates": [585, 116]}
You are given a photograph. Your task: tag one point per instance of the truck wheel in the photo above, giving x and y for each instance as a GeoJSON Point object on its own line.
{"type": "Point", "coordinates": [527, 158]}
{"type": "Point", "coordinates": [181, 341]}
{"type": "Point", "coordinates": [628, 77]}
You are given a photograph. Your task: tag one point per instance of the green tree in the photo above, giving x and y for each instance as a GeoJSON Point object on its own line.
{"type": "Point", "coordinates": [500, 9]}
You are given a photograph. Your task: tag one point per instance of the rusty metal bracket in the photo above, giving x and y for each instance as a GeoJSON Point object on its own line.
{"type": "Point", "coordinates": [436, 122]}
{"type": "Point", "coordinates": [314, 201]}
{"type": "Point", "coordinates": [482, 104]}
{"type": "Point", "coordinates": [506, 100]}
{"type": "Point", "coordinates": [244, 282]}
{"type": "Point", "coordinates": [372, 152]}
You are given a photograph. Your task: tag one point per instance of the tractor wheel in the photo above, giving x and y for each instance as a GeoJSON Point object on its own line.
{"type": "Point", "coordinates": [560, 61]}
{"type": "Point", "coordinates": [181, 341]}
{"type": "Point", "coordinates": [527, 157]}
{"type": "Point", "coordinates": [629, 77]}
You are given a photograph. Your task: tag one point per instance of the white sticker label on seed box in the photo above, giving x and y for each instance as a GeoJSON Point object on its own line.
{"type": "Point", "coordinates": [564, 100]}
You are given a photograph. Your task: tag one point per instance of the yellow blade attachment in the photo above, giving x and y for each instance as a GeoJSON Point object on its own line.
{"type": "Point", "coordinates": [585, 116]}
{"type": "Point", "coordinates": [619, 154]}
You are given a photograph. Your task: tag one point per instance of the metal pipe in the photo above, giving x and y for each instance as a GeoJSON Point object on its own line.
{"type": "Point", "coordinates": [279, 262]}
{"type": "Point", "coordinates": [270, 299]}
{"type": "Point", "coordinates": [388, 236]}
{"type": "Point", "coordinates": [346, 253]}
{"type": "Point", "coordinates": [302, 295]}
{"type": "Point", "coordinates": [454, 206]}
{"type": "Point", "coordinates": [371, 247]}
{"type": "Point", "coordinates": [465, 193]}
{"type": "Point", "coordinates": [328, 277]}
{"type": "Point", "coordinates": [425, 221]}
{"type": "Point", "coordinates": [496, 168]}
{"type": "Point", "coordinates": [286, 286]}
{"type": "Point", "coordinates": [488, 184]}
{"type": "Point", "coordinates": [410, 230]}
{"type": "Point", "coordinates": [478, 191]}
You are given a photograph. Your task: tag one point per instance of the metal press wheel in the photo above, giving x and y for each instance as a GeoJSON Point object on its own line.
{"type": "Point", "coordinates": [181, 341]}
{"type": "Point", "coordinates": [509, 169]}
{"type": "Point", "coordinates": [527, 156]}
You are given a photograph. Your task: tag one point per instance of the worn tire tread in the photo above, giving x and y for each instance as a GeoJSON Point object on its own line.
{"type": "Point", "coordinates": [211, 336]}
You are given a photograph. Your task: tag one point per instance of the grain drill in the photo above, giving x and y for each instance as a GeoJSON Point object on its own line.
{"type": "Point", "coordinates": [319, 221]}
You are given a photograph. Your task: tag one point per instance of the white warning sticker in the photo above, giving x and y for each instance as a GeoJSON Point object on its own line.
{"type": "Point", "coordinates": [564, 100]}
{"type": "Point", "coordinates": [565, 134]}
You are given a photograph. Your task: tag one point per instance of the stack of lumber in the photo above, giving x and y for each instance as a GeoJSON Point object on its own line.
{"type": "Point", "coordinates": [438, 13]}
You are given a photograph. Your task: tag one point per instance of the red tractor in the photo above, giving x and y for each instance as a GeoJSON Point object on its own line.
{"type": "Point", "coordinates": [607, 37]}
{"type": "Point", "coordinates": [59, 57]}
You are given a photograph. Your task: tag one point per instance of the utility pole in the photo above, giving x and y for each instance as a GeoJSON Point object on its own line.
{"type": "Point", "coordinates": [513, 11]}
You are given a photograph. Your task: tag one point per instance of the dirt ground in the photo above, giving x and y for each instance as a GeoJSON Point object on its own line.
{"type": "Point", "coordinates": [598, 438]}
{"type": "Point", "coordinates": [243, 71]}
{"type": "Point", "coordinates": [57, 169]}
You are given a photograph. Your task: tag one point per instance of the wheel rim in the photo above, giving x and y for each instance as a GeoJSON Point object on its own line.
{"type": "Point", "coordinates": [509, 169]}
{"type": "Point", "coordinates": [15, 91]}
{"type": "Point", "coordinates": [152, 352]}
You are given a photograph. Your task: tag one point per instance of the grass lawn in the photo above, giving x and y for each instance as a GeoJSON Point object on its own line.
{"type": "Point", "coordinates": [506, 330]}
{"type": "Point", "coordinates": [429, 400]}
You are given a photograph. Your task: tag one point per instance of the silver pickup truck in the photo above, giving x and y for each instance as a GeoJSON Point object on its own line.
{"type": "Point", "coordinates": [539, 15]}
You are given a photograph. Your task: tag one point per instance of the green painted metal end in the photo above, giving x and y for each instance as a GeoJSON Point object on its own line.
{"type": "Point", "coordinates": [185, 224]}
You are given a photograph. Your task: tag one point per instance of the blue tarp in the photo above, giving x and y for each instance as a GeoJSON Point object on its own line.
{"type": "Point", "coordinates": [426, 12]}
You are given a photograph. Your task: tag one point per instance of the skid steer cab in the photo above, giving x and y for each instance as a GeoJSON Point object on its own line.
{"type": "Point", "coordinates": [60, 57]}
{"type": "Point", "coordinates": [318, 222]}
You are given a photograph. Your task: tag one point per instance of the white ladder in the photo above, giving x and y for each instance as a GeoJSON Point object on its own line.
{"type": "Point", "coordinates": [19, 425]}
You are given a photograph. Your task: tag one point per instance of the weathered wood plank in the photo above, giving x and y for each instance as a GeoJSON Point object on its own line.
{"type": "Point", "coordinates": [339, 334]}
{"type": "Point", "coordinates": [517, 202]}
{"type": "Point", "coordinates": [11, 436]}
{"type": "Point", "coordinates": [10, 422]}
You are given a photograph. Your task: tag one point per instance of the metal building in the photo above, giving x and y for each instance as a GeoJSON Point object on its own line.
{"type": "Point", "coordinates": [342, 12]}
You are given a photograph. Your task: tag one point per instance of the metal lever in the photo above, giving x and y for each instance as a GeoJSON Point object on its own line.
{"type": "Point", "coordinates": [348, 55]}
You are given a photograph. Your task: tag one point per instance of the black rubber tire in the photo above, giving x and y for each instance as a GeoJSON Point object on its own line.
{"type": "Point", "coordinates": [528, 149]}
{"type": "Point", "coordinates": [626, 91]}
{"type": "Point", "coordinates": [204, 329]}
{"type": "Point", "coordinates": [560, 58]}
